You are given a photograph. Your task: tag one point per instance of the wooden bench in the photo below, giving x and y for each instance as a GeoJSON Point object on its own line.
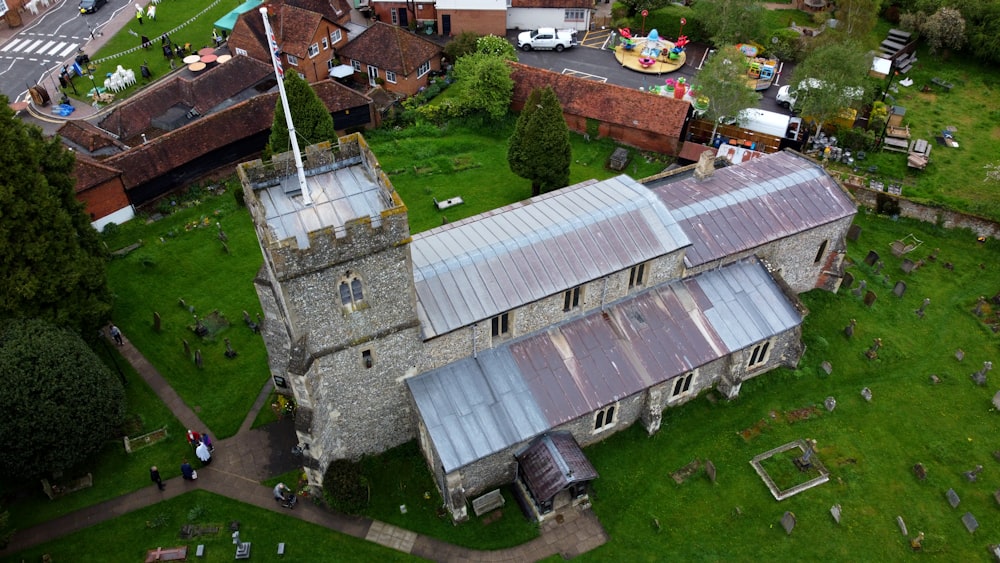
{"type": "Point", "coordinates": [169, 554]}
{"type": "Point", "coordinates": [894, 144]}
{"type": "Point", "coordinates": [946, 85]}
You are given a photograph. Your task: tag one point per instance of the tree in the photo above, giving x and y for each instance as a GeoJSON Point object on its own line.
{"type": "Point", "coordinates": [313, 122]}
{"type": "Point", "coordinates": [944, 30]}
{"type": "Point", "coordinates": [983, 28]}
{"type": "Point", "coordinates": [730, 21]}
{"type": "Point", "coordinates": [484, 84]}
{"type": "Point", "coordinates": [53, 264]}
{"type": "Point", "coordinates": [836, 72]}
{"type": "Point", "coordinates": [463, 44]}
{"type": "Point", "coordinates": [540, 150]}
{"type": "Point", "coordinates": [495, 45]}
{"type": "Point", "coordinates": [61, 403]}
{"type": "Point", "coordinates": [857, 17]}
{"type": "Point", "coordinates": [723, 80]}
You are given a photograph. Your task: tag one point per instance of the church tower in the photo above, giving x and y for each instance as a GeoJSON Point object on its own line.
{"type": "Point", "coordinates": [336, 288]}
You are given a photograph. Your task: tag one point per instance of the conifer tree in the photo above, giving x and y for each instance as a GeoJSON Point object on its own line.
{"type": "Point", "coordinates": [539, 149]}
{"type": "Point", "coordinates": [313, 122]}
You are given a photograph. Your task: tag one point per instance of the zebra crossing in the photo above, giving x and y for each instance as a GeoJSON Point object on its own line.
{"type": "Point", "coordinates": [44, 49]}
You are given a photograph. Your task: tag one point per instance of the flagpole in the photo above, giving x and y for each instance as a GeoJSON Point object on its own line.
{"type": "Point", "coordinates": [279, 73]}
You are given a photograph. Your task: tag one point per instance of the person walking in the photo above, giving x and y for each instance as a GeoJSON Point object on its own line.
{"type": "Point", "coordinates": [203, 454]}
{"type": "Point", "coordinates": [138, 13]}
{"type": "Point", "coordinates": [154, 475]}
{"type": "Point", "coordinates": [116, 333]}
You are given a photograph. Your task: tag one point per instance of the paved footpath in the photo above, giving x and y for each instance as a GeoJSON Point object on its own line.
{"type": "Point", "coordinates": [253, 455]}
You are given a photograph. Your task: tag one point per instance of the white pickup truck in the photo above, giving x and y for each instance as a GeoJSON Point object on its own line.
{"type": "Point", "coordinates": [547, 38]}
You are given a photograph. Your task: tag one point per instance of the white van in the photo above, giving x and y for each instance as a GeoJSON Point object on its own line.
{"type": "Point", "coordinates": [770, 123]}
{"type": "Point", "coordinates": [787, 96]}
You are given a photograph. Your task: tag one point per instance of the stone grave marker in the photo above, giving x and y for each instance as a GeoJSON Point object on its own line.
{"type": "Point", "coordinates": [978, 311]}
{"type": "Point", "coordinates": [973, 474]}
{"type": "Point", "coordinates": [156, 321]}
{"type": "Point", "coordinates": [828, 368]}
{"type": "Point", "coordinates": [980, 376]}
{"type": "Point", "coordinates": [870, 298]}
{"type": "Point", "coordinates": [871, 258]}
{"type": "Point", "coordinates": [860, 290]}
{"type": "Point", "coordinates": [935, 379]}
{"type": "Point", "coordinates": [970, 522]}
{"type": "Point", "coordinates": [854, 233]}
{"type": "Point", "coordinates": [683, 473]}
{"type": "Point", "coordinates": [920, 471]}
{"type": "Point", "coordinates": [230, 353]}
{"type": "Point", "coordinates": [849, 329]}
{"type": "Point", "coordinates": [953, 499]}
{"type": "Point", "coordinates": [996, 496]}
{"type": "Point", "coordinates": [788, 522]}
{"type": "Point", "coordinates": [848, 280]}
{"type": "Point", "coordinates": [710, 470]}
{"type": "Point", "coordinates": [900, 289]}
{"type": "Point", "coordinates": [872, 352]}
{"type": "Point", "coordinates": [960, 354]}
{"type": "Point", "coordinates": [878, 267]}
{"type": "Point", "coordinates": [187, 348]}
{"type": "Point", "coordinates": [867, 394]}
{"type": "Point", "coordinates": [182, 304]}
{"type": "Point", "coordinates": [835, 512]}
{"type": "Point", "coordinates": [908, 265]}
{"type": "Point", "coordinates": [197, 358]}
{"type": "Point", "coordinates": [830, 403]}
{"type": "Point", "coordinates": [923, 307]}
{"type": "Point", "coordinates": [995, 550]}
{"type": "Point", "coordinates": [915, 542]}
{"type": "Point", "coordinates": [996, 400]}
{"type": "Point", "coordinates": [902, 525]}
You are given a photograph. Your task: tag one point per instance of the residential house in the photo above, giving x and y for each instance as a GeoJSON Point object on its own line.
{"type": "Point", "coordinates": [558, 320]}
{"type": "Point", "coordinates": [391, 56]}
{"type": "Point", "coordinates": [308, 33]}
{"type": "Point", "coordinates": [560, 14]}
{"type": "Point", "coordinates": [485, 17]}
{"type": "Point", "coordinates": [98, 187]}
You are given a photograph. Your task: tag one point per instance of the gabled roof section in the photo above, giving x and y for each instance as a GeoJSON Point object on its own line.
{"type": "Point", "coordinates": [605, 102]}
{"type": "Point", "coordinates": [478, 406]}
{"type": "Point", "coordinates": [294, 23]}
{"type": "Point", "coordinates": [295, 29]}
{"type": "Point", "coordinates": [89, 138]}
{"type": "Point", "coordinates": [390, 47]}
{"type": "Point", "coordinates": [479, 267]}
{"type": "Point", "coordinates": [741, 207]}
{"type": "Point", "coordinates": [552, 463]}
{"type": "Point", "coordinates": [334, 10]}
{"type": "Point", "coordinates": [90, 173]}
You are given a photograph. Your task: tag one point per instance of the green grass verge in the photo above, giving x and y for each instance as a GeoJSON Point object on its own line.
{"type": "Point", "coordinates": [129, 537]}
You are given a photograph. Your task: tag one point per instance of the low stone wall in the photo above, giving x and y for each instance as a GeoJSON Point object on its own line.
{"type": "Point", "coordinates": [945, 217]}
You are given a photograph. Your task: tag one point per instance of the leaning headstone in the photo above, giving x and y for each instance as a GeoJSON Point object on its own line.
{"type": "Point", "coordinates": [828, 368]}
{"type": "Point", "coordinates": [902, 525]}
{"type": "Point", "coordinates": [835, 512]}
{"type": "Point", "coordinates": [870, 298]}
{"type": "Point", "coordinates": [156, 321]}
{"type": "Point", "coordinates": [970, 522]}
{"type": "Point", "coordinates": [860, 290]}
{"type": "Point", "coordinates": [920, 471]}
{"type": "Point", "coordinates": [953, 499]}
{"type": "Point", "coordinates": [996, 400]}
{"type": "Point", "coordinates": [871, 258]}
{"type": "Point", "coordinates": [867, 394]}
{"type": "Point", "coordinates": [788, 522]}
{"type": "Point", "coordinates": [908, 265]}
{"type": "Point", "coordinates": [197, 358]}
{"type": "Point", "coordinates": [830, 403]}
{"type": "Point", "coordinates": [973, 474]}
{"type": "Point", "coordinates": [187, 349]}
{"type": "Point", "coordinates": [923, 307]}
{"type": "Point", "coordinates": [853, 233]}
{"type": "Point", "coordinates": [710, 470]}
{"type": "Point", "coordinates": [959, 354]}
{"type": "Point", "coordinates": [900, 289]}
{"type": "Point", "coordinates": [848, 281]}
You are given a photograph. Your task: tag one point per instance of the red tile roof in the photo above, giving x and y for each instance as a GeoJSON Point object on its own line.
{"type": "Point", "coordinates": [90, 173]}
{"type": "Point", "coordinates": [390, 47]}
{"type": "Point", "coordinates": [294, 22]}
{"type": "Point", "coordinates": [605, 102]}
{"type": "Point", "coordinates": [88, 137]}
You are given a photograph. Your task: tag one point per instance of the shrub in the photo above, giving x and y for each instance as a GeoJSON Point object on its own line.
{"type": "Point", "coordinates": [111, 229]}
{"type": "Point", "coordinates": [345, 488]}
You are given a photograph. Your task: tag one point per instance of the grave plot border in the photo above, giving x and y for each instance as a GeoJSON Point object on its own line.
{"type": "Point", "coordinates": [779, 494]}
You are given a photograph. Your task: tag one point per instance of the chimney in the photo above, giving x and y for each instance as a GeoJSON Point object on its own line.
{"type": "Point", "coordinates": [706, 166]}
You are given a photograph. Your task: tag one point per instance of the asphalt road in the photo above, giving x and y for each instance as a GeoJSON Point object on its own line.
{"type": "Point", "coordinates": [591, 62]}
{"type": "Point", "coordinates": [48, 42]}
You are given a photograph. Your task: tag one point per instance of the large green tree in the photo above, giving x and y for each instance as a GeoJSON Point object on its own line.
{"type": "Point", "coordinates": [723, 80]}
{"type": "Point", "coordinates": [841, 69]}
{"type": "Point", "coordinates": [857, 17]}
{"type": "Point", "coordinates": [313, 122]}
{"type": "Point", "coordinates": [60, 402]}
{"type": "Point", "coordinates": [484, 84]}
{"type": "Point", "coordinates": [539, 149]}
{"type": "Point", "coordinates": [53, 264]}
{"type": "Point", "coordinates": [730, 21]}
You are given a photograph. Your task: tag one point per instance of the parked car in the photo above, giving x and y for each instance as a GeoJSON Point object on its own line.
{"type": "Point", "coordinates": [91, 6]}
{"type": "Point", "coordinates": [547, 38]}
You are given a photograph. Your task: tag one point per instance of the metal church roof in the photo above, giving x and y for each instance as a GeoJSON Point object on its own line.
{"type": "Point", "coordinates": [741, 207]}
{"type": "Point", "coordinates": [479, 267]}
{"type": "Point", "coordinates": [479, 406]}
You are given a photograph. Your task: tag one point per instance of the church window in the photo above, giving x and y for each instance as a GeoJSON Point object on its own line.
{"type": "Point", "coordinates": [820, 252]}
{"type": "Point", "coordinates": [604, 418]}
{"type": "Point", "coordinates": [637, 276]}
{"type": "Point", "coordinates": [571, 299]}
{"type": "Point", "coordinates": [682, 385]}
{"type": "Point", "coordinates": [500, 326]}
{"type": "Point", "coordinates": [759, 354]}
{"type": "Point", "coordinates": [352, 293]}
{"type": "Point", "coordinates": [366, 359]}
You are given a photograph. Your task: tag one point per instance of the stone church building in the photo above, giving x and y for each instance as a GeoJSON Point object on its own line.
{"type": "Point", "coordinates": [508, 341]}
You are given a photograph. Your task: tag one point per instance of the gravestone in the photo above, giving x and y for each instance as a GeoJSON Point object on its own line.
{"type": "Point", "coordinates": [932, 257]}
{"type": "Point", "coordinates": [225, 248]}
{"type": "Point", "coordinates": [830, 403]}
{"type": "Point", "coordinates": [996, 400]}
{"type": "Point", "coordinates": [902, 525]}
{"type": "Point", "coordinates": [949, 266]}
{"type": "Point", "coordinates": [849, 329]}
{"type": "Point", "coordinates": [182, 303]}
{"type": "Point", "coordinates": [871, 258]}
{"type": "Point", "coordinates": [199, 328]}
{"type": "Point", "coordinates": [996, 496]}
{"type": "Point", "coordinates": [907, 266]}
{"type": "Point", "coordinates": [222, 235]}
{"type": "Point", "coordinates": [935, 379]}
{"type": "Point", "coordinates": [872, 352]}
{"type": "Point", "coordinates": [878, 266]}
{"type": "Point", "coordinates": [804, 462]}
{"type": "Point", "coordinates": [187, 348]}
{"type": "Point", "coordinates": [848, 280]}
{"type": "Point", "coordinates": [973, 474]}
{"type": "Point", "coordinates": [710, 470]}
{"type": "Point", "coordinates": [995, 551]}
{"type": "Point", "coordinates": [230, 353]}
{"type": "Point", "coordinates": [980, 304]}
{"type": "Point", "coordinates": [853, 233]}
{"type": "Point", "coordinates": [828, 368]}
{"type": "Point", "coordinates": [970, 522]}
{"type": "Point", "coordinates": [156, 321]}
{"type": "Point", "coordinates": [980, 376]}
{"type": "Point", "coordinates": [923, 307]}
{"type": "Point", "coordinates": [960, 354]}
{"type": "Point", "coordinates": [915, 543]}
{"type": "Point", "coordinates": [197, 358]}
{"type": "Point", "coordinates": [920, 471]}
{"type": "Point", "coordinates": [835, 512]}
{"type": "Point", "coordinates": [788, 522]}
{"type": "Point", "coordinates": [683, 473]}
{"type": "Point", "coordinates": [900, 289]}
{"type": "Point", "coordinates": [953, 499]}
{"type": "Point", "coordinates": [867, 394]}
{"type": "Point", "coordinates": [870, 298]}
{"type": "Point", "coordinates": [860, 290]}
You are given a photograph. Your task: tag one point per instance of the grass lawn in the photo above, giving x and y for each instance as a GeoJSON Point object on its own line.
{"type": "Point", "coordinates": [128, 538]}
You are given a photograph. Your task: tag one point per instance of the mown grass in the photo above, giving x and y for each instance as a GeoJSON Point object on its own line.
{"type": "Point", "coordinates": [129, 537]}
